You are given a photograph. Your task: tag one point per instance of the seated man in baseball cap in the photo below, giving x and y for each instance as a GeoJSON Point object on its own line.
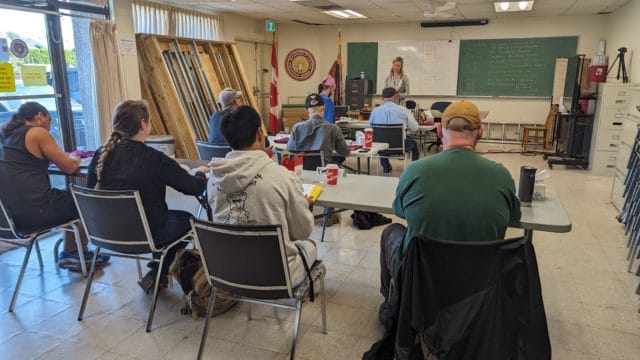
{"type": "Point", "coordinates": [230, 100]}
{"type": "Point", "coordinates": [391, 113]}
{"type": "Point", "coordinates": [455, 195]}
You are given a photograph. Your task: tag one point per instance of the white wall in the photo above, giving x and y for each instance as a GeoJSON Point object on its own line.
{"type": "Point", "coordinates": [624, 26]}
{"type": "Point", "coordinates": [123, 16]}
{"type": "Point", "coordinates": [321, 41]}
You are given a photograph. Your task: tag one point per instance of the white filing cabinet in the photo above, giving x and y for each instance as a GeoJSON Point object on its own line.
{"type": "Point", "coordinates": [629, 130]}
{"type": "Point", "coordinates": [607, 128]}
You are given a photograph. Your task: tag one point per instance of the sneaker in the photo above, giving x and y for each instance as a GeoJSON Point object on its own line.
{"type": "Point", "coordinates": [149, 280]}
{"type": "Point", "coordinates": [71, 260]}
{"type": "Point", "coordinates": [333, 219]}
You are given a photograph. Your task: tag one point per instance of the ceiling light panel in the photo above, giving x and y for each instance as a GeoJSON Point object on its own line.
{"type": "Point", "coordinates": [508, 6]}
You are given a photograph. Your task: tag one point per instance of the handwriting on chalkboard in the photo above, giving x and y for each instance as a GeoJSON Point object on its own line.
{"type": "Point", "coordinates": [511, 67]}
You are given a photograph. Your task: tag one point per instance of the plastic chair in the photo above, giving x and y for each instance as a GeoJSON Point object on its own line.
{"type": "Point", "coordinates": [393, 135]}
{"type": "Point", "coordinates": [116, 221]}
{"type": "Point", "coordinates": [227, 249]}
{"type": "Point", "coordinates": [311, 159]}
{"type": "Point", "coordinates": [208, 151]}
{"type": "Point", "coordinates": [9, 234]}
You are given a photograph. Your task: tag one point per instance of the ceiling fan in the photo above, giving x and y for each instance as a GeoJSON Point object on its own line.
{"type": "Point", "coordinates": [439, 11]}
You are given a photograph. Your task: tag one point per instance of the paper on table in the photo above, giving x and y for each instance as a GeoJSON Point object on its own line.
{"type": "Point", "coordinates": [312, 191]}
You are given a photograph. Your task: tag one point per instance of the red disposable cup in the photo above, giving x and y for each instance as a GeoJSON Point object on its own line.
{"type": "Point", "coordinates": [331, 172]}
{"type": "Point", "coordinates": [368, 137]}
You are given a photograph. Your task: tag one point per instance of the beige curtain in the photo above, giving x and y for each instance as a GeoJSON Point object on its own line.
{"type": "Point", "coordinates": [195, 25]}
{"type": "Point", "coordinates": [109, 75]}
{"type": "Point", "coordinates": [151, 18]}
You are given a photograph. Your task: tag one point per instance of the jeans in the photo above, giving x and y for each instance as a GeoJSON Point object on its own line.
{"type": "Point", "coordinates": [390, 261]}
{"type": "Point", "coordinates": [409, 145]}
{"type": "Point", "coordinates": [176, 226]}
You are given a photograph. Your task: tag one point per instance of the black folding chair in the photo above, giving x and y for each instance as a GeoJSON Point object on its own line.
{"type": "Point", "coordinates": [394, 135]}
{"type": "Point", "coordinates": [250, 262]}
{"type": "Point", "coordinates": [311, 159]}
{"type": "Point", "coordinates": [9, 234]}
{"type": "Point", "coordinates": [116, 221]}
{"type": "Point", "coordinates": [208, 151]}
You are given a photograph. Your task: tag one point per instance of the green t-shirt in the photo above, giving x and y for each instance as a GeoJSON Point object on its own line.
{"type": "Point", "coordinates": [456, 195]}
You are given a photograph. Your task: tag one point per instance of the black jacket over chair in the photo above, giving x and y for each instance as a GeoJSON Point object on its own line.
{"type": "Point", "coordinates": [472, 300]}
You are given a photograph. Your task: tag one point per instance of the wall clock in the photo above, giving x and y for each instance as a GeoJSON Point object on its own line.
{"type": "Point", "coordinates": [300, 64]}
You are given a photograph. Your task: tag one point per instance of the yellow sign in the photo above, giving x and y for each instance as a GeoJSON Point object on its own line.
{"type": "Point", "coordinates": [34, 75]}
{"type": "Point", "coordinates": [7, 80]}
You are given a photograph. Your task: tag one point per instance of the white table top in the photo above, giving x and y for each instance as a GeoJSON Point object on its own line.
{"type": "Point", "coordinates": [376, 193]}
{"type": "Point", "coordinates": [375, 148]}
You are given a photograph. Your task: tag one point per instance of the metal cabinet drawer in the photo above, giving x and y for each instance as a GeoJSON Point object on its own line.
{"type": "Point", "coordinates": [604, 163]}
{"type": "Point", "coordinates": [614, 97]}
{"type": "Point", "coordinates": [609, 140]}
{"type": "Point", "coordinates": [611, 119]}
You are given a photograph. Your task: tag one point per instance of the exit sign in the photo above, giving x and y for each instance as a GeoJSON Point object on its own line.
{"type": "Point", "coordinates": [271, 25]}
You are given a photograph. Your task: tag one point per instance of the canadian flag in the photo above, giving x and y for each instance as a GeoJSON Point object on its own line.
{"type": "Point", "coordinates": [274, 97]}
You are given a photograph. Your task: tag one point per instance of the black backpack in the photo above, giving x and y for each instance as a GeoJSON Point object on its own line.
{"type": "Point", "coordinates": [365, 220]}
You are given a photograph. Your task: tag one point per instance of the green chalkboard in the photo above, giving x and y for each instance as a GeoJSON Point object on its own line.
{"type": "Point", "coordinates": [362, 56]}
{"type": "Point", "coordinates": [511, 67]}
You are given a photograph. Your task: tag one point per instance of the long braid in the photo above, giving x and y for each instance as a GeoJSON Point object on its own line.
{"type": "Point", "coordinates": [110, 145]}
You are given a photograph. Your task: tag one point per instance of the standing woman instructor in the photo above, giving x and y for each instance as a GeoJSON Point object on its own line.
{"type": "Point", "coordinates": [397, 79]}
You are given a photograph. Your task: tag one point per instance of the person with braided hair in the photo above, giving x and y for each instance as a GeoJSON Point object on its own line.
{"type": "Point", "coordinates": [25, 187]}
{"type": "Point", "coordinates": [126, 163]}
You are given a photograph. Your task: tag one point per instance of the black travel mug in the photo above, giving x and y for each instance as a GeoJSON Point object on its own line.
{"type": "Point", "coordinates": [527, 181]}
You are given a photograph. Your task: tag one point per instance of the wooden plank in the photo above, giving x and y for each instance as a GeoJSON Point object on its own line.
{"type": "Point", "coordinates": [157, 125]}
{"type": "Point", "coordinates": [243, 76]}
{"type": "Point", "coordinates": [155, 73]}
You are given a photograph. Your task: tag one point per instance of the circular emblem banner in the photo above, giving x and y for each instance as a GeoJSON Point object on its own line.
{"type": "Point", "coordinates": [300, 64]}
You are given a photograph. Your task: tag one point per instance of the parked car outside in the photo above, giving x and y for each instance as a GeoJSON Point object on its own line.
{"type": "Point", "coordinates": [10, 107]}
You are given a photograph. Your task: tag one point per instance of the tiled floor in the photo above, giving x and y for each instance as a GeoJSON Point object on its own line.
{"type": "Point", "coordinates": [589, 297]}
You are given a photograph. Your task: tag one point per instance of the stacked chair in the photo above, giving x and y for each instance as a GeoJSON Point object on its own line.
{"type": "Point", "coordinates": [630, 214]}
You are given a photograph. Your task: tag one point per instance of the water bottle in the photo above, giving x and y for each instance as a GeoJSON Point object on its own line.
{"type": "Point", "coordinates": [527, 181]}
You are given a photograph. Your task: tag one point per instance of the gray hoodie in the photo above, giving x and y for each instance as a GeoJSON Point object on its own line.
{"type": "Point", "coordinates": [248, 188]}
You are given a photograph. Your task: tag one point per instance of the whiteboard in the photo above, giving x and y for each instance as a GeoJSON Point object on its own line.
{"type": "Point", "coordinates": [432, 66]}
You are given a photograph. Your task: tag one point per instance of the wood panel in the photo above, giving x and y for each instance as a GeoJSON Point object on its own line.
{"type": "Point", "coordinates": [181, 80]}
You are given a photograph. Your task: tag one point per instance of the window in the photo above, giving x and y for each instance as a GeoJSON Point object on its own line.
{"type": "Point", "coordinates": [151, 18]}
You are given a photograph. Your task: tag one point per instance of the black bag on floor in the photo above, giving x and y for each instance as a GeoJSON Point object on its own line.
{"type": "Point", "coordinates": [365, 220]}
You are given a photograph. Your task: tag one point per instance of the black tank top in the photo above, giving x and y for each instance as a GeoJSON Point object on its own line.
{"type": "Point", "coordinates": [24, 179]}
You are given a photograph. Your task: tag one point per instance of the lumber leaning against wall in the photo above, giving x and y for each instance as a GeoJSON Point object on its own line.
{"type": "Point", "coordinates": [181, 78]}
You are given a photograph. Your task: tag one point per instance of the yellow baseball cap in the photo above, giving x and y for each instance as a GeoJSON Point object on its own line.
{"type": "Point", "coordinates": [464, 110]}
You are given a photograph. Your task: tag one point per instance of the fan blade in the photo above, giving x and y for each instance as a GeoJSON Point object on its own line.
{"type": "Point", "coordinates": [448, 6]}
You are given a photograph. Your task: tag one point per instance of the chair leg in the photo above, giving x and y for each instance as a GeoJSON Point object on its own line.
{"type": "Point", "coordinates": [199, 212]}
{"type": "Point", "coordinates": [323, 305]}
{"type": "Point", "coordinates": [139, 267]}
{"type": "Point", "coordinates": [37, 245]}
{"type": "Point", "coordinates": [155, 292]}
{"type": "Point", "coordinates": [21, 276]}
{"type": "Point", "coordinates": [83, 263]}
{"type": "Point", "coordinates": [87, 287]}
{"type": "Point", "coordinates": [296, 328]}
{"type": "Point", "coordinates": [324, 223]}
{"type": "Point", "coordinates": [205, 331]}
{"type": "Point", "coordinates": [56, 250]}
{"type": "Point", "coordinates": [249, 318]}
